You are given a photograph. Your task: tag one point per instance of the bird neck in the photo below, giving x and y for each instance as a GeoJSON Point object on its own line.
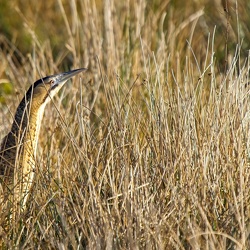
{"type": "Point", "coordinates": [25, 131]}
{"type": "Point", "coordinates": [23, 137]}
{"type": "Point", "coordinates": [18, 149]}
{"type": "Point", "coordinates": [26, 127]}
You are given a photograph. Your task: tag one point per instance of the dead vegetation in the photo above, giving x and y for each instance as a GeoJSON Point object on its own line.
{"type": "Point", "coordinates": [151, 149]}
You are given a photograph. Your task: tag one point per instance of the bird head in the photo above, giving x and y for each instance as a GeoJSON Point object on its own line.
{"type": "Point", "coordinates": [45, 88]}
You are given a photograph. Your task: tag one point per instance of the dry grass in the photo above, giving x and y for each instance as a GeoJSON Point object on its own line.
{"type": "Point", "coordinates": [150, 149]}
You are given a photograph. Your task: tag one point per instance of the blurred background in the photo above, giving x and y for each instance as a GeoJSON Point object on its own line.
{"type": "Point", "coordinates": [23, 23]}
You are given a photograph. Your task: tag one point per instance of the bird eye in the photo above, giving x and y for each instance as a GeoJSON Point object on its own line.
{"type": "Point", "coordinates": [52, 81]}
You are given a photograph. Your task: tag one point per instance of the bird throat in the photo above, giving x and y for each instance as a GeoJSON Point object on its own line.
{"type": "Point", "coordinates": [18, 151]}
{"type": "Point", "coordinates": [26, 169]}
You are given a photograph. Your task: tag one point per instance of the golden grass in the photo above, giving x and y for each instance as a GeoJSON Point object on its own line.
{"type": "Point", "coordinates": [150, 148]}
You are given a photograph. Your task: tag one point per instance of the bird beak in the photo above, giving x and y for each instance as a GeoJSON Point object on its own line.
{"type": "Point", "coordinates": [63, 77]}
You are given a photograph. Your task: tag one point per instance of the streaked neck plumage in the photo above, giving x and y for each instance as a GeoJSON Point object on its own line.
{"type": "Point", "coordinates": [21, 145]}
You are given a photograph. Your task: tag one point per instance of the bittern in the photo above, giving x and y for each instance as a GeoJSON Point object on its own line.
{"type": "Point", "coordinates": [18, 149]}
